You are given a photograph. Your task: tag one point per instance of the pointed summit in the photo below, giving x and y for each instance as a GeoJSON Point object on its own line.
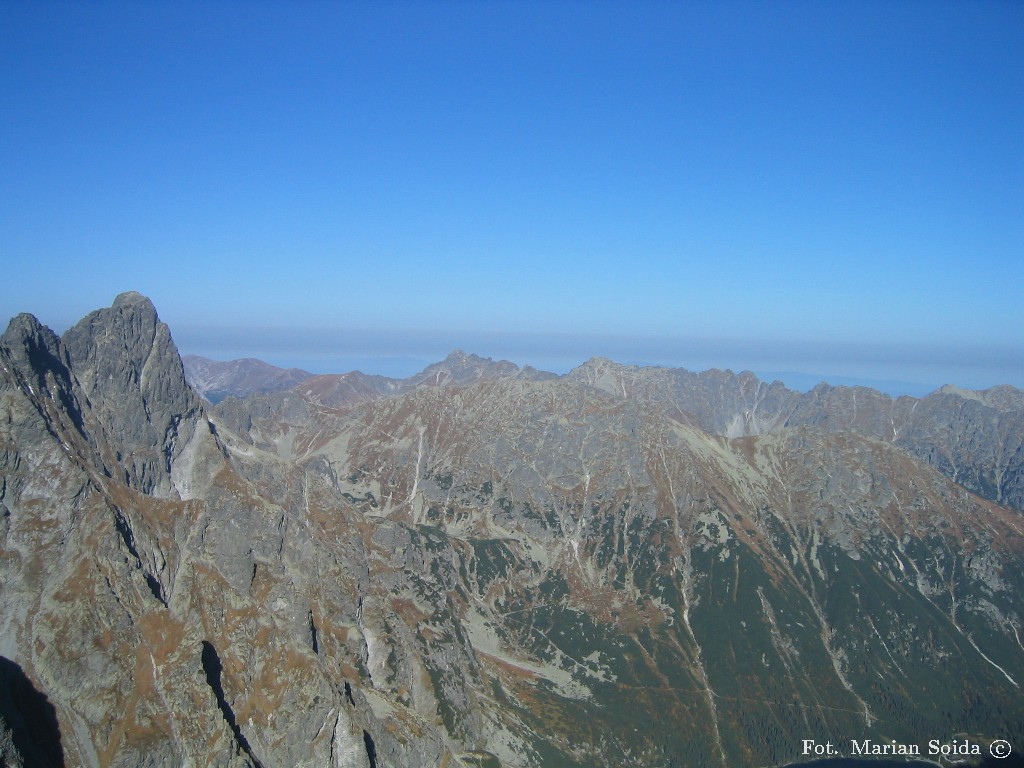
{"type": "Point", "coordinates": [35, 360]}
{"type": "Point", "coordinates": [460, 368]}
{"type": "Point", "coordinates": [131, 372]}
{"type": "Point", "coordinates": [31, 343]}
{"type": "Point", "coordinates": [129, 340]}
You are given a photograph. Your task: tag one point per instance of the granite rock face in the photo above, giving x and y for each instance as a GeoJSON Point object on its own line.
{"type": "Point", "coordinates": [487, 567]}
{"type": "Point", "coordinates": [131, 376]}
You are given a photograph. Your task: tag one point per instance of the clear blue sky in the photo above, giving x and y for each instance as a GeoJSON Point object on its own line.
{"type": "Point", "coordinates": [831, 187]}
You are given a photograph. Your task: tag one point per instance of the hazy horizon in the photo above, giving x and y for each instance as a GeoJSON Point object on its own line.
{"type": "Point", "coordinates": [320, 351]}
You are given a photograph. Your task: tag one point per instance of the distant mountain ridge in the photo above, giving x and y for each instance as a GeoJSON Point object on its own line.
{"type": "Point", "coordinates": [617, 567]}
{"type": "Point", "coordinates": [214, 380]}
{"type": "Point", "coordinates": [974, 437]}
{"type": "Point", "coordinates": [949, 429]}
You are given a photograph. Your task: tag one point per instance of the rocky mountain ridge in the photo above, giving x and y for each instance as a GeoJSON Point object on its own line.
{"type": "Point", "coordinates": [214, 379]}
{"type": "Point", "coordinates": [976, 437]}
{"type": "Point", "coordinates": [484, 570]}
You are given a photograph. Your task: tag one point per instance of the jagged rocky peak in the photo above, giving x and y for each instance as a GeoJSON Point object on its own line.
{"type": "Point", "coordinates": [36, 364]}
{"type": "Point", "coordinates": [599, 363]}
{"type": "Point", "coordinates": [32, 346]}
{"type": "Point", "coordinates": [126, 351]}
{"type": "Point", "coordinates": [130, 372]}
{"type": "Point", "coordinates": [599, 372]}
{"type": "Point", "coordinates": [25, 327]}
{"type": "Point", "coordinates": [462, 368]}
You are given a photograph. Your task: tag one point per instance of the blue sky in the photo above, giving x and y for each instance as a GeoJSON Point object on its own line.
{"type": "Point", "coordinates": [835, 188]}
